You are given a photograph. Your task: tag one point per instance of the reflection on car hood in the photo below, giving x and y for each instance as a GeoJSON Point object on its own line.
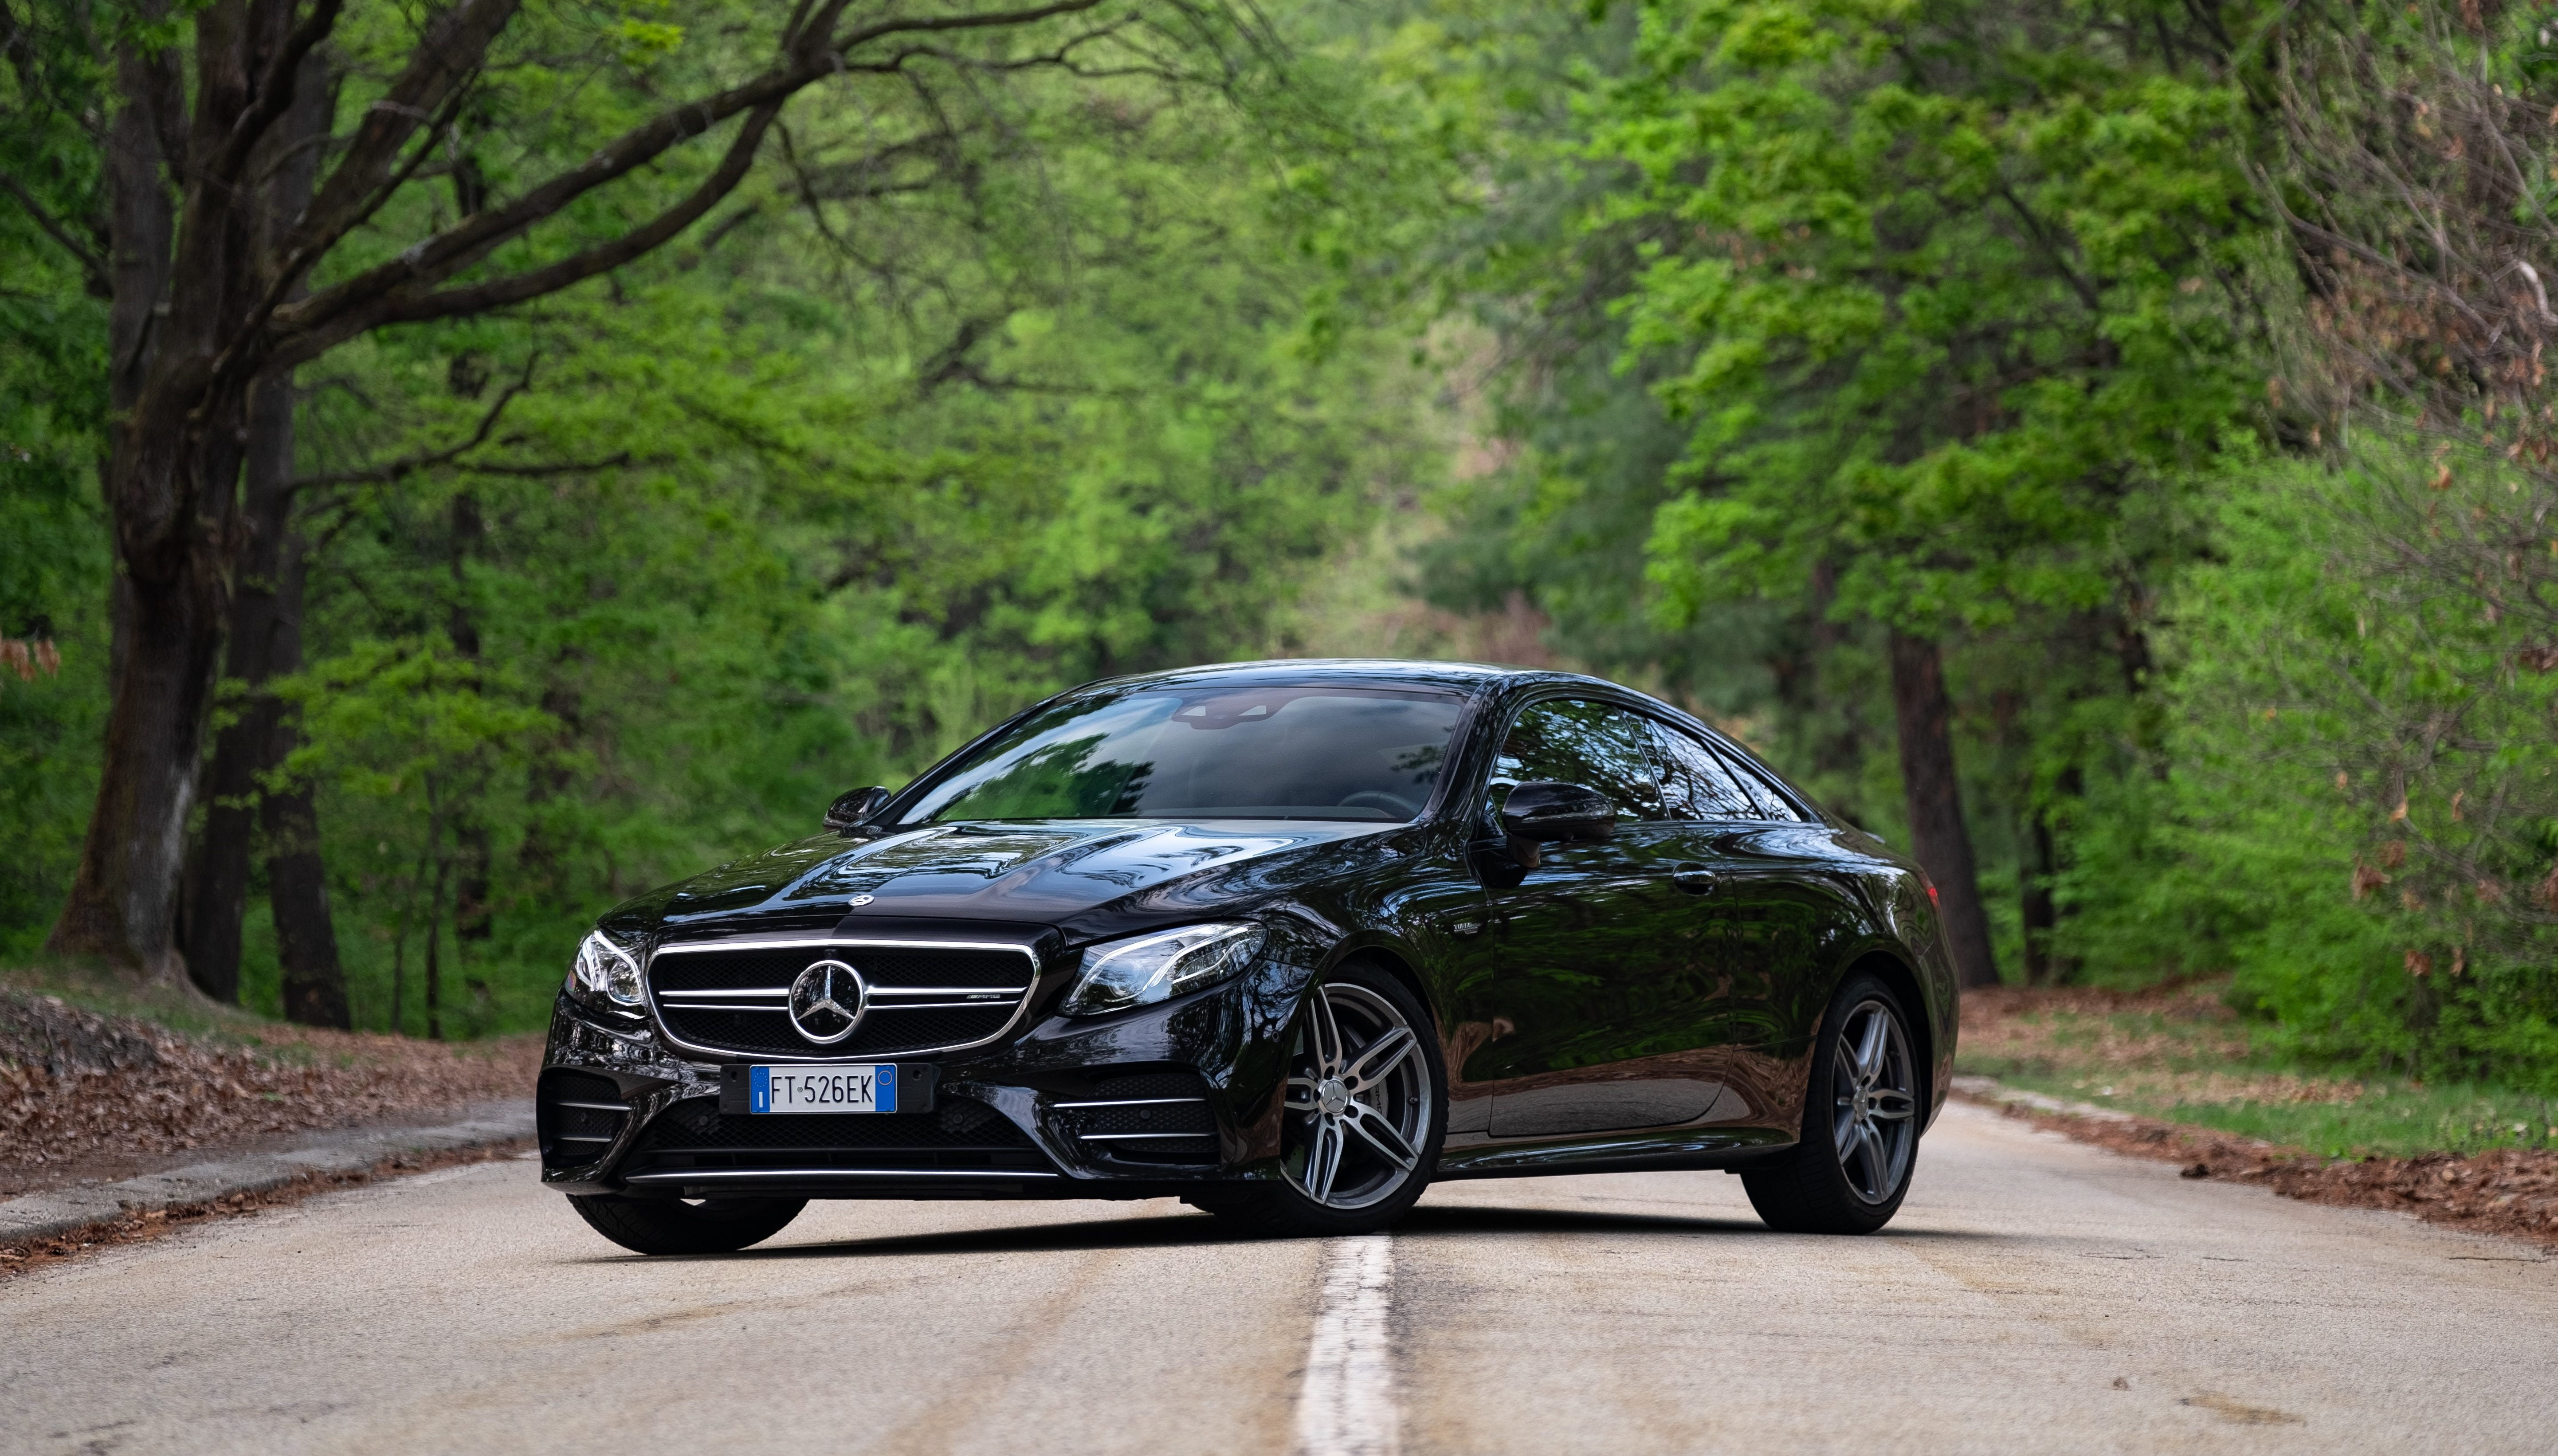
{"type": "Point", "coordinates": [1041, 872]}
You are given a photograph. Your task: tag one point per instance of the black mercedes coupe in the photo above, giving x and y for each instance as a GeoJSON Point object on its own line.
{"type": "Point", "coordinates": [1288, 940]}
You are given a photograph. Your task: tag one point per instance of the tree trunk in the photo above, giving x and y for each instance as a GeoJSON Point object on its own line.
{"type": "Point", "coordinates": [297, 882]}
{"type": "Point", "coordinates": [399, 960]}
{"type": "Point", "coordinates": [473, 919]}
{"type": "Point", "coordinates": [169, 481]}
{"type": "Point", "coordinates": [123, 903]}
{"type": "Point", "coordinates": [1939, 834]}
{"type": "Point", "coordinates": [245, 749]}
{"type": "Point", "coordinates": [266, 602]}
{"type": "Point", "coordinates": [434, 964]}
{"type": "Point", "coordinates": [541, 858]}
{"type": "Point", "coordinates": [435, 911]}
{"type": "Point", "coordinates": [2036, 909]}
{"type": "Point", "coordinates": [306, 933]}
{"type": "Point", "coordinates": [1841, 746]}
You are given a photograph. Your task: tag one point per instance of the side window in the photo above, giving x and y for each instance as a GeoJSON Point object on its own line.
{"type": "Point", "coordinates": [1574, 741]}
{"type": "Point", "coordinates": [1753, 780]}
{"type": "Point", "coordinates": [1695, 781]}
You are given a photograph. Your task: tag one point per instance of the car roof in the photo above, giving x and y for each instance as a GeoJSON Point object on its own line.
{"type": "Point", "coordinates": [1471, 679]}
{"type": "Point", "coordinates": [1377, 672]}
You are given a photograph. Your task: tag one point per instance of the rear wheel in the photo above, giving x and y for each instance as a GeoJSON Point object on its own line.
{"type": "Point", "coordinates": [1861, 1118]}
{"type": "Point", "coordinates": [1365, 1106]}
{"type": "Point", "coordinates": [670, 1226]}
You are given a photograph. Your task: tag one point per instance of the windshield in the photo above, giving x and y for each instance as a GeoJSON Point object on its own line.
{"type": "Point", "coordinates": [1213, 753]}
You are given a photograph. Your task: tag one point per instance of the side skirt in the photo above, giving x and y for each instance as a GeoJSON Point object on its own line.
{"type": "Point", "coordinates": [1674, 1150]}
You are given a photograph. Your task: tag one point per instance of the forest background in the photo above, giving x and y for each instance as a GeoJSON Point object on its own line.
{"type": "Point", "coordinates": [2103, 447]}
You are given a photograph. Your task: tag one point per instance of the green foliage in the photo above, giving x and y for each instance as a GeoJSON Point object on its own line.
{"type": "Point", "coordinates": [52, 548]}
{"type": "Point", "coordinates": [2390, 1119]}
{"type": "Point", "coordinates": [1953, 315]}
{"type": "Point", "coordinates": [1569, 456]}
{"type": "Point", "coordinates": [2250, 1078]}
{"type": "Point", "coordinates": [2387, 1117]}
{"type": "Point", "coordinates": [2374, 930]}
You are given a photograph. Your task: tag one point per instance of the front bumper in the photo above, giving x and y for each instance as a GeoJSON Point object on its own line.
{"type": "Point", "coordinates": [1152, 1101]}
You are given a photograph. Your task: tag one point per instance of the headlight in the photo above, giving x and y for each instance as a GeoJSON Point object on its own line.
{"type": "Point", "coordinates": [1145, 969]}
{"type": "Point", "coordinates": [605, 970]}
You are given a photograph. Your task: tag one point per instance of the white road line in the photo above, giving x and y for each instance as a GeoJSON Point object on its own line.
{"type": "Point", "coordinates": [1347, 1405]}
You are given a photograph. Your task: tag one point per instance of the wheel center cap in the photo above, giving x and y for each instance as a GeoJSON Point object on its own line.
{"type": "Point", "coordinates": [1332, 1097]}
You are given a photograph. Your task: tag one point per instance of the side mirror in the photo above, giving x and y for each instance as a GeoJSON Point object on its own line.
{"type": "Point", "coordinates": [851, 810]}
{"type": "Point", "coordinates": [1555, 814]}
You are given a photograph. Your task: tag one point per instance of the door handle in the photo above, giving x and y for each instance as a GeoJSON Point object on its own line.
{"type": "Point", "coordinates": [1695, 879]}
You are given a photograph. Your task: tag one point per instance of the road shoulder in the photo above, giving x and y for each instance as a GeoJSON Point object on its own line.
{"type": "Point", "coordinates": [34, 1225]}
{"type": "Point", "coordinates": [2507, 1192]}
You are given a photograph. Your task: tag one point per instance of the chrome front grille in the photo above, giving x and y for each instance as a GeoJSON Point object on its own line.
{"type": "Point", "coordinates": [924, 997]}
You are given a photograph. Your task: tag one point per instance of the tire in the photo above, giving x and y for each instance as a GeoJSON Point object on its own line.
{"type": "Point", "coordinates": [1367, 1104]}
{"type": "Point", "coordinates": [668, 1226]}
{"type": "Point", "coordinates": [1872, 1107]}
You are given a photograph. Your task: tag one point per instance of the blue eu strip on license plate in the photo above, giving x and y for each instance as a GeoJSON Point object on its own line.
{"type": "Point", "coordinates": [859, 1088]}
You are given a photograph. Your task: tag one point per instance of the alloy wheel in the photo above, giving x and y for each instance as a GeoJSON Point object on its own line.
{"type": "Point", "coordinates": [1358, 1098]}
{"type": "Point", "coordinates": [1876, 1092]}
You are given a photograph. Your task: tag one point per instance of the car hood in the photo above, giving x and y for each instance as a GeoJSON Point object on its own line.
{"type": "Point", "coordinates": [1040, 873]}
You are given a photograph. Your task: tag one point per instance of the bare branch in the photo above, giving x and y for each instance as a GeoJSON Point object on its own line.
{"type": "Point", "coordinates": [2049, 247]}
{"type": "Point", "coordinates": [274, 94]}
{"type": "Point", "coordinates": [794, 30]}
{"type": "Point", "coordinates": [728, 224]}
{"type": "Point", "coordinates": [807, 193]}
{"type": "Point", "coordinates": [165, 83]}
{"type": "Point", "coordinates": [557, 468]}
{"type": "Point", "coordinates": [444, 57]}
{"type": "Point", "coordinates": [383, 294]}
{"type": "Point", "coordinates": [988, 20]}
{"type": "Point", "coordinates": [288, 274]}
{"type": "Point", "coordinates": [92, 263]}
{"type": "Point", "coordinates": [393, 472]}
{"type": "Point", "coordinates": [577, 268]}
{"type": "Point", "coordinates": [859, 178]}
{"type": "Point", "coordinates": [410, 465]}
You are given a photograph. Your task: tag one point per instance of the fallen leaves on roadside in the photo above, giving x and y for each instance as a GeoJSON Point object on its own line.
{"type": "Point", "coordinates": [85, 1096]}
{"type": "Point", "coordinates": [2164, 1041]}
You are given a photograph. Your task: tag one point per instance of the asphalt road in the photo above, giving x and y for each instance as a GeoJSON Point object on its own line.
{"type": "Point", "coordinates": [2034, 1295]}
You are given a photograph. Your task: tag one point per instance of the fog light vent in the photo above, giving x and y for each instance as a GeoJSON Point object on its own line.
{"type": "Point", "coordinates": [576, 1116]}
{"type": "Point", "coordinates": [1149, 1115]}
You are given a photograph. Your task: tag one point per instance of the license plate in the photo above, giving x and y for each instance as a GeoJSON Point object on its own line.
{"type": "Point", "coordinates": [822, 1088]}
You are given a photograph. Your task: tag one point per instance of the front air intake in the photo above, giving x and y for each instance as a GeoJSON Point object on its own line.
{"type": "Point", "coordinates": [1144, 1117]}
{"type": "Point", "coordinates": [576, 1117]}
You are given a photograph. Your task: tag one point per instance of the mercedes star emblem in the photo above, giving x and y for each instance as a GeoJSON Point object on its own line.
{"type": "Point", "coordinates": [827, 1001]}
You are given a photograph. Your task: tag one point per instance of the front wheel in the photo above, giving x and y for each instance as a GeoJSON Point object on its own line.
{"type": "Point", "coordinates": [1861, 1120]}
{"type": "Point", "coordinates": [670, 1226]}
{"type": "Point", "coordinates": [1365, 1108]}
